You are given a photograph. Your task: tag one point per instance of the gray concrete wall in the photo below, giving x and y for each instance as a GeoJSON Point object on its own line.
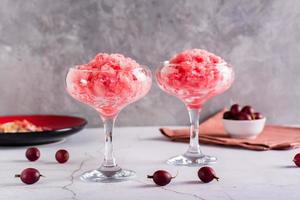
{"type": "Point", "coordinates": [41, 39]}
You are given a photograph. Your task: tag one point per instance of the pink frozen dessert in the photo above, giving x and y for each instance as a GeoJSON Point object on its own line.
{"type": "Point", "coordinates": [194, 76]}
{"type": "Point", "coordinates": [108, 83]}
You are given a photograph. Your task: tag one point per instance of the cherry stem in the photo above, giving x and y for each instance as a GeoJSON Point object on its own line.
{"type": "Point", "coordinates": [176, 174]}
{"type": "Point", "coordinates": [217, 178]}
{"type": "Point", "coordinates": [150, 176]}
{"type": "Point", "coordinates": [18, 176]}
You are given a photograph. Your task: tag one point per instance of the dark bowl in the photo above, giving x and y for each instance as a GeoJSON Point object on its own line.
{"type": "Point", "coordinates": [61, 127]}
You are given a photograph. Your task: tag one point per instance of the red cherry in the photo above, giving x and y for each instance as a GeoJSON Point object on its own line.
{"type": "Point", "coordinates": [248, 109]}
{"type": "Point", "coordinates": [161, 177]}
{"type": "Point", "coordinates": [32, 154]}
{"type": "Point", "coordinates": [62, 156]}
{"type": "Point", "coordinates": [207, 174]}
{"type": "Point", "coordinates": [257, 115]}
{"type": "Point", "coordinates": [29, 176]}
{"type": "Point", "coordinates": [235, 109]}
{"type": "Point", "coordinates": [243, 116]}
{"type": "Point", "coordinates": [227, 115]}
{"type": "Point", "coordinates": [297, 159]}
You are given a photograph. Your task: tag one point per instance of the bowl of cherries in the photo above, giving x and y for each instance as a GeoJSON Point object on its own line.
{"type": "Point", "coordinates": [243, 122]}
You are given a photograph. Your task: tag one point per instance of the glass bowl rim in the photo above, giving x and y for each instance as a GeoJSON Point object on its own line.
{"type": "Point", "coordinates": [76, 68]}
{"type": "Point", "coordinates": [167, 63]}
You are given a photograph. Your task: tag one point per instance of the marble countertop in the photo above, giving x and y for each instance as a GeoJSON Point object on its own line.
{"type": "Point", "coordinates": [243, 174]}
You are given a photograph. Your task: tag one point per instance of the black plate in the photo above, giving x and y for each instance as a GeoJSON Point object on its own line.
{"type": "Point", "coordinates": [61, 127]}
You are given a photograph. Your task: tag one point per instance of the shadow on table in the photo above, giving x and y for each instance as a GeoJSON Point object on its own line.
{"type": "Point", "coordinates": [150, 185]}
{"type": "Point", "coordinates": [17, 184]}
{"type": "Point", "coordinates": [155, 138]}
{"type": "Point", "coordinates": [146, 186]}
{"type": "Point", "coordinates": [287, 166]}
{"type": "Point", "coordinates": [193, 182]}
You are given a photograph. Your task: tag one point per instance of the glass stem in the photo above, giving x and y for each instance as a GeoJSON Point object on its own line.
{"type": "Point", "coordinates": [194, 148]}
{"type": "Point", "coordinates": [109, 159]}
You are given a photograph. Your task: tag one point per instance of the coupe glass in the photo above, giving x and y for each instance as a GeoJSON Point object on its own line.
{"type": "Point", "coordinates": [194, 84]}
{"type": "Point", "coordinates": [108, 92]}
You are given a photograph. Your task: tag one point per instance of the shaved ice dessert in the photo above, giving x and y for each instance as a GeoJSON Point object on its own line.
{"type": "Point", "coordinates": [108, 83]}
{"type": "Point", "coordinates": [194, 76]}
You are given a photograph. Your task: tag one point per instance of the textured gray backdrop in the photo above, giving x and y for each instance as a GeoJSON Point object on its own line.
{"type": "Point", "coordinates": [40, 39]}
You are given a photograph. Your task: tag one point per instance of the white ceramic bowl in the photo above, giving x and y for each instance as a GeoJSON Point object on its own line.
{"type": "Point", "coordinates": [244, 128]}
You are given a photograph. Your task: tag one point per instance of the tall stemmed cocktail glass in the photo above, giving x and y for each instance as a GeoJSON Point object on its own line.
{"type": "Point", "coordinates": [194, 76]}
{"type": "Point", "coordinates": [108, 83]}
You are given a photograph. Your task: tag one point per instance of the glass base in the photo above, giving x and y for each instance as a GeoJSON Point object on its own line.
{"type": "Point", "coordinates": [195, 160]}
{"type": "Point", "coordinates": [100, 175]}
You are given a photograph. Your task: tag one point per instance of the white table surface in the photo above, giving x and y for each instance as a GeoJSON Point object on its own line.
{"type": "Point", "coordinates": [244, 174]}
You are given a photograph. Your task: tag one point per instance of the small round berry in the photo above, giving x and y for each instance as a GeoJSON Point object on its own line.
{"type": "Point", "coordinates": [297, 159]}
{"type": "Point", "coordinates": [227, 115]}
{"type": "Point", "coordinates": [257, 115]}
{"type": "Point", "coordinates": [161, 177]}
{"type": "Point", "coordinates": [29, 176]}
{"type": "Point", "coordinates": [207, 174]}
{"type": "Point", "coordinates": [235, 109]}
{"type": "Point", "coordinates": [247, 109]}
{"type": "Point", "coordinates": [62, 156]}
{"type": "Point", "coordinates": [32, 154]}
{"type": "Point", "coordinates": [244, 116]}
